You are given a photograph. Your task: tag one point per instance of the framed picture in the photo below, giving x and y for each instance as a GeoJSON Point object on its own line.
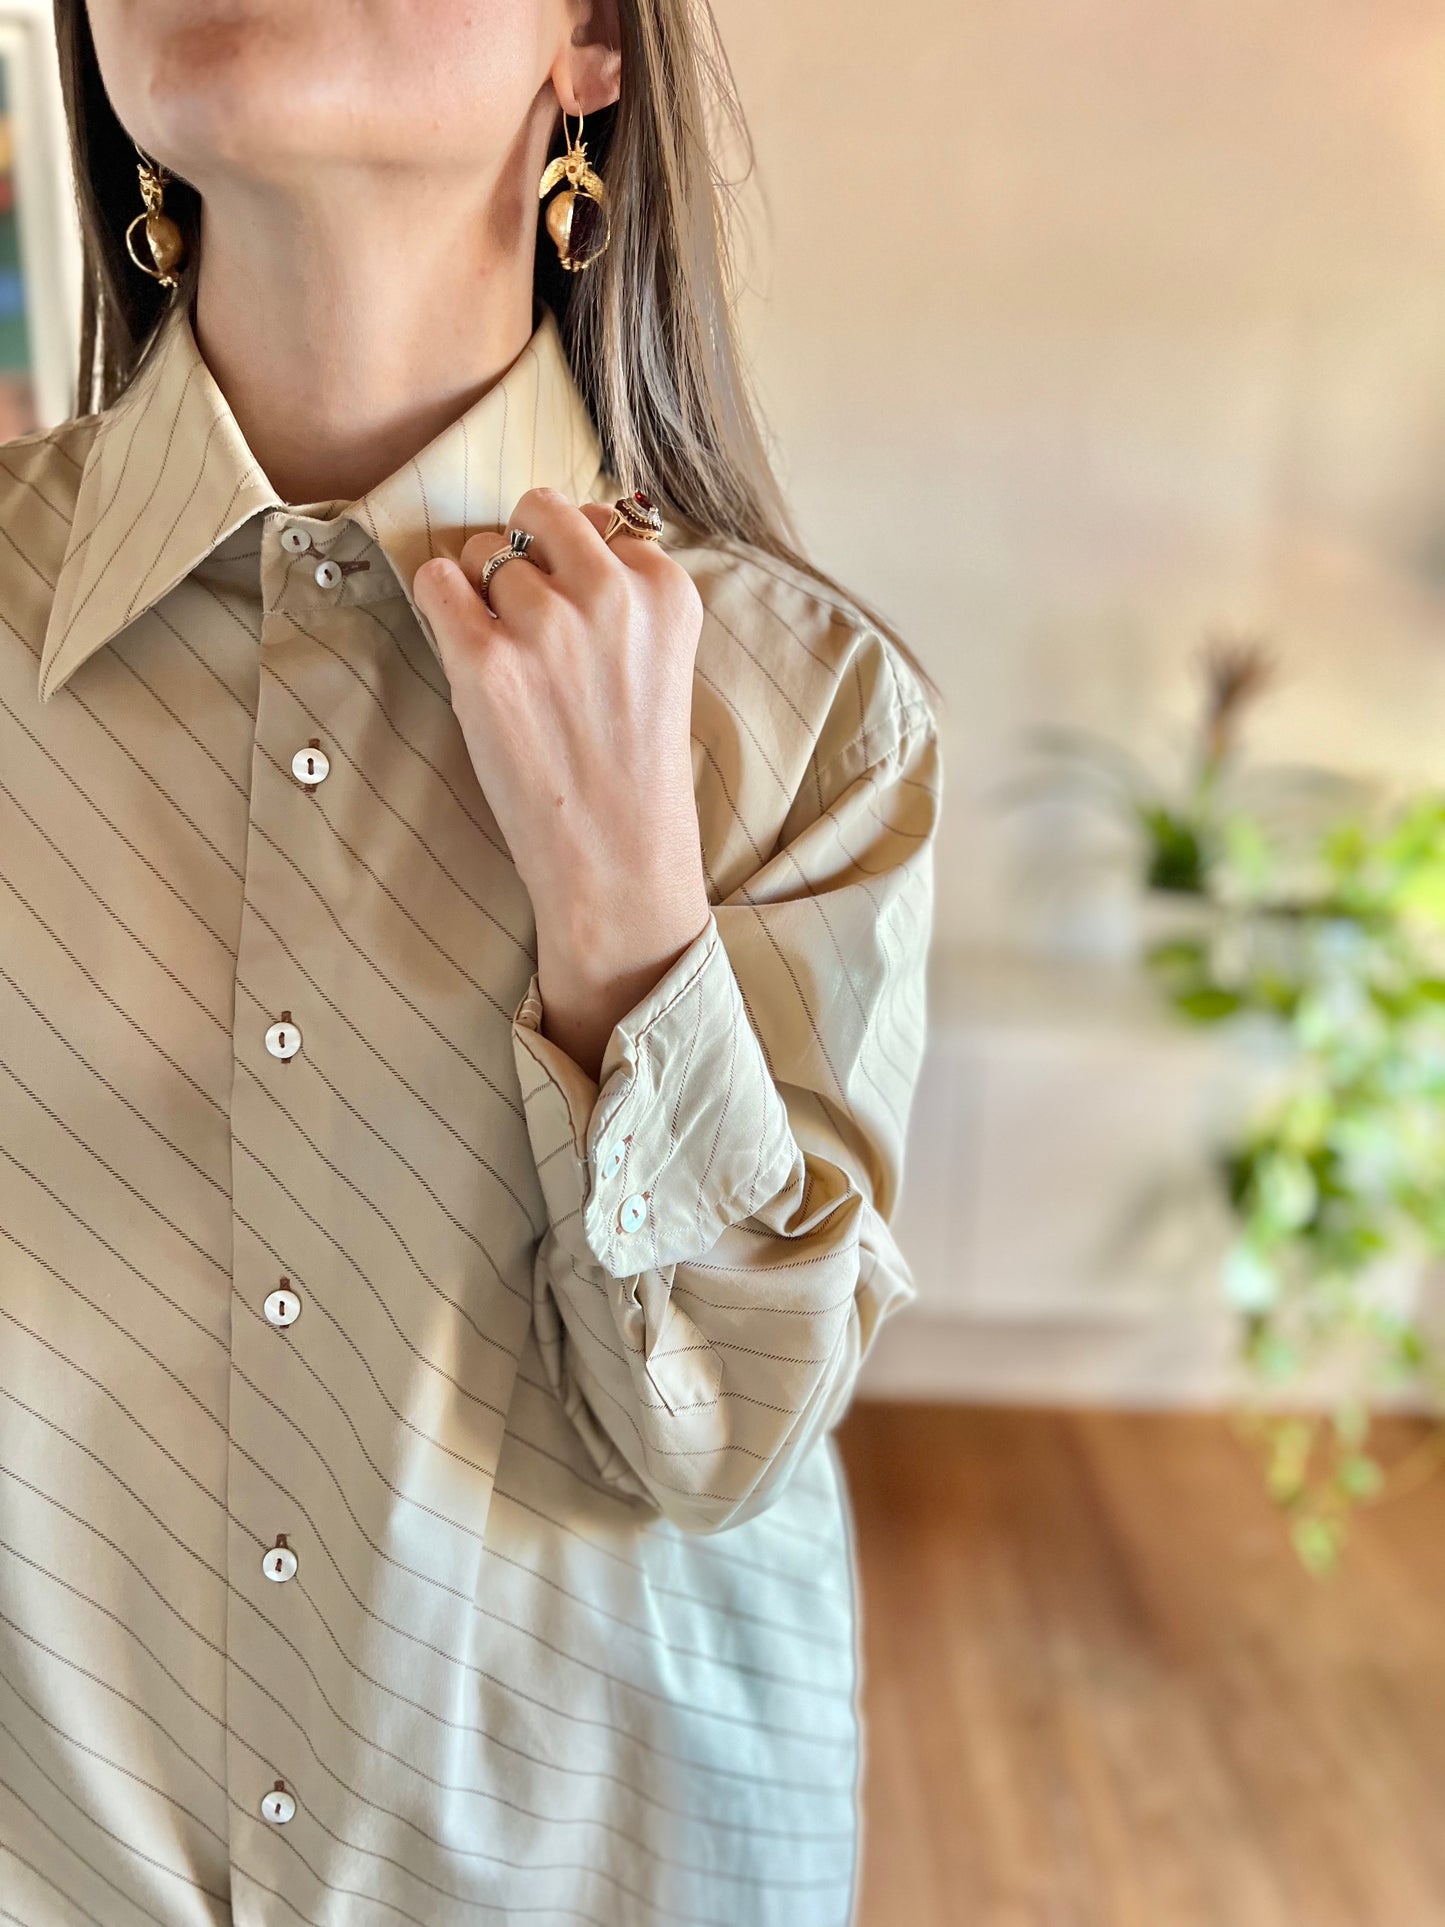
{"type": "Point", "coordinates": [39, 236]}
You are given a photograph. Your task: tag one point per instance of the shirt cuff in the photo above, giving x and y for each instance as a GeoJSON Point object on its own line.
{"type": "Point", "coordinates": [683, 1133]}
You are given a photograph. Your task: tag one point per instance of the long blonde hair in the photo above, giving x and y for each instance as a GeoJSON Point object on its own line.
{"type": "Point", "coordinates": [649, 328]}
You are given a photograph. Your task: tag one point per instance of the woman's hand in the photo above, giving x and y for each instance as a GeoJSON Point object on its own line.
{"type": "Point", "coordinates": [575, 701]}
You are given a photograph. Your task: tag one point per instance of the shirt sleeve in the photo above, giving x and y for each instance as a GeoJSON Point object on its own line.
{"type": "Point", "coordinates": [717, 1257]}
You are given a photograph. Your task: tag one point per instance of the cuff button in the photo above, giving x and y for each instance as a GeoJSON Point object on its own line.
{"type": "Point", "coordinates": [634, 1210]}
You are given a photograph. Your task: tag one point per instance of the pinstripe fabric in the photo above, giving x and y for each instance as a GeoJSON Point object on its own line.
{"type": "Point", "coordinates": [571, 1636]}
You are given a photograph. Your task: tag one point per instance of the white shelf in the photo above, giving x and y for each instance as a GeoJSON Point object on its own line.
{"type": "Point", "coordinates": [1058, 1207]}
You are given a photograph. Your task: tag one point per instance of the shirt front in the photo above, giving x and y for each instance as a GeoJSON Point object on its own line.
{"type": "Point", "coordinates": [417, 1493]}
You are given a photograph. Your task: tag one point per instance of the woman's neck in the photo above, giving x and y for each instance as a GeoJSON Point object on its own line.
{"type": "Point", "coordinates": [345, 331]}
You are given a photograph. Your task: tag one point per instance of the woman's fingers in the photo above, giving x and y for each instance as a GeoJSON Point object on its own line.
{"type": "Point", "coordinates": [567, 554]}
{"type": "Point", "coordinates": [573, 548]}
{"type": "Point", "coordinates": [599, 515]}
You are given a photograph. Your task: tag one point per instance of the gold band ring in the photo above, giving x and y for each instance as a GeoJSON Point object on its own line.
{"type": "Point", "coordinates": [638, 515]}
{"type": "Point", "coordinates": [518, 543]}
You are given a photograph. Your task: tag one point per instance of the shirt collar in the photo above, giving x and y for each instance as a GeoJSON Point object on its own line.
{"type": "Point", "coordinates": [168, 476]}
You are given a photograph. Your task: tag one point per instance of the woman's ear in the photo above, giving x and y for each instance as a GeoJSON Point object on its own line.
{"type": "Point", "coordinates": [588, 73]}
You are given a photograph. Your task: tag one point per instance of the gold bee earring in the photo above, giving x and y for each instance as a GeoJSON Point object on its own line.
{"type": "Point", "coordinates": [577, 219]}
{"type": "Point", "coordinates": [162, 235]}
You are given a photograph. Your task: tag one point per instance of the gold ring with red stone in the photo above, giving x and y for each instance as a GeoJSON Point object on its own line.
{"type": "Point", "coordinates": [635, 514]}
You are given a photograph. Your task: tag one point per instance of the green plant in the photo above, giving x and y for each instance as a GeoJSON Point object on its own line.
{"type": "Point", "coordinates": [1343, 955]}
{"type": "Point", "coordinates": [1318, 918]}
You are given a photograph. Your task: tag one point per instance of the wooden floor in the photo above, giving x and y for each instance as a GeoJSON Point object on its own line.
{"type": "Point", "coordinates": [1100, 1692]}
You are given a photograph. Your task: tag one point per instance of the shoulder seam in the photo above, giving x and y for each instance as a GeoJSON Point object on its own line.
{"type": "Point", "coordinates": [909, 721]}
{"type": "Point", "coordinates": [768, 565]}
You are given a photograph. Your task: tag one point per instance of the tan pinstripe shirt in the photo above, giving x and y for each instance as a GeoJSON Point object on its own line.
{"type": "Point", "coordinates": [417, 1501]}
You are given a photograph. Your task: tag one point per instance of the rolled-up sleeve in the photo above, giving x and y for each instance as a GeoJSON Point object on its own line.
{"type": "Point", "coordinates": [718, 1257]}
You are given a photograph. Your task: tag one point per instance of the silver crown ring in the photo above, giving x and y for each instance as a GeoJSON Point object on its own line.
{"type": "Point", "coordinates": [518, 543]}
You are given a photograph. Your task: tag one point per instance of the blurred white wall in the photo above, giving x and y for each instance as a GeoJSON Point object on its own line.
{"type": "Point", "coordinates": [1085, 328]}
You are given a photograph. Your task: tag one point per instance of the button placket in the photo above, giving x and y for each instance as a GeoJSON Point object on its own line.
{"type": "Point", "coordinates": [310, 767]}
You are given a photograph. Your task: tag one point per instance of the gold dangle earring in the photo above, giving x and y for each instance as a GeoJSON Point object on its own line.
{"type": "Point", "coordinates": [577, 219]}
{"type": "Point", "coordinates": [162, 235]}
